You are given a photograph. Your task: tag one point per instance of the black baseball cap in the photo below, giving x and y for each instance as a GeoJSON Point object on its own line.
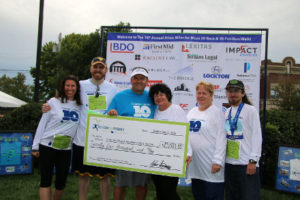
{"type": "Point", "coordinates": [234, 83]}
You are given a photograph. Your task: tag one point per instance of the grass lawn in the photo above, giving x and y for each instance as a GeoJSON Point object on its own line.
{"type": "Point", "coordinates": [26, 187]}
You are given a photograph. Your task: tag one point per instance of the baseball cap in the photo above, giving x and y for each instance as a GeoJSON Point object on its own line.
{"type": "Point", "coordinates": [234, 83]}
{"type": "Point", "coordinates": [139, 70]}
{"type": "Point", "coordinates": [97, 60]}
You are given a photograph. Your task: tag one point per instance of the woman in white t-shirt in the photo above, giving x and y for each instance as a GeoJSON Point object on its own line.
{"type": "Point", "coordinates": [208, 145]}
{"type": "Point", "coordinates": [161, 95]}
{"type": "Point", "coordinates": [54, 135]}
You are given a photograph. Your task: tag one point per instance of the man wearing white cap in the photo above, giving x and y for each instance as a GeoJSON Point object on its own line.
{"type": "Point", "coordinates": [134, 102]}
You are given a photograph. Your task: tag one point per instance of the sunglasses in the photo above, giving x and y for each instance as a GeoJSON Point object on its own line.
{"type": "Point", "coordinates": [97, 93]}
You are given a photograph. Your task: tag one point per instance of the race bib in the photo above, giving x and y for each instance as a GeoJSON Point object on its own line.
{"type": "Point", "coordinates": [233, 149]}
{"type": "Point", "coordinates": [97, 103]}
{"type": "Point", "coordinates": [61, 142]}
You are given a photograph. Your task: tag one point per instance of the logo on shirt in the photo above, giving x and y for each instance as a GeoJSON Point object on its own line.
{"type": "Point", "coordinates": [70, 115]}
{"type": "Point", "coordinates": [195, 126]}
{"type": "Point", "coordinates": [142, 111]}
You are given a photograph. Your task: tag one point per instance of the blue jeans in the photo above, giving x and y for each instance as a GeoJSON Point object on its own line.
{"type": "Point", "coordinates": [203, 190]}
{"type": "Point", "coordinates": [239, 185]}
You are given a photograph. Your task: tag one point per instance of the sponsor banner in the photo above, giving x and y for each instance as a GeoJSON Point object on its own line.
{"type": "Point", "coordinates": [165, 37]}
{"type": "Point", "coordinates": [183, 60]}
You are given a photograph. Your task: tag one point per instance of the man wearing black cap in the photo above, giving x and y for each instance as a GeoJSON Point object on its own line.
{"type": "Point", "coordinates": [134, 102]}
{"type": "Point", "coordinates": [244, 141]}
{"type": "Point", "coordinates": [96, 95]}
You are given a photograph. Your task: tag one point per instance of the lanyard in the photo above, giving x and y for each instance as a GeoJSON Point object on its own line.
{"type": "Point", "coordinates": [236, 117]}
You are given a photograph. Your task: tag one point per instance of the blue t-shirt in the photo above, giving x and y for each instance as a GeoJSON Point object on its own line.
{"type": "Point", "coordinates": [131, 104]}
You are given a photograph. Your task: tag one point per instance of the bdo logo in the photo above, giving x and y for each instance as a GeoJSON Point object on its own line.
{"type": "Point", "coordinates": [116, 47]}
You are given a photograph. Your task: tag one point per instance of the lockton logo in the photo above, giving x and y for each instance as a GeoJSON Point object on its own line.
{"type": "Point", "coordinates": [246, 67]}
{"type": "Point", "coordinates": [118, 67]}
{"type": "Point", "coordinates": [243, 50]}
{"type": "Point", "coordinates": [117, 47]}
{"type": "Point", "coordinates": [216, 69]}
{"type": "Point", "coordinates": [216, 73]}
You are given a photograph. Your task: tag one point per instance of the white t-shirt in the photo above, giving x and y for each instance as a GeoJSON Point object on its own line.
{"type": "Point", "coordinates": [173, 113]}
{"type": "Point", "coordinates": [88, 88]}
{"type": "Point", "coordinates": [62, 119]}
{"type": "Point", "coordinates": [208, 142]}
{"type": "Point", "coordinates": [247, 138]}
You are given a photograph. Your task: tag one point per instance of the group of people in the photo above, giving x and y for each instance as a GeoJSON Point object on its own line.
{"type": "Point", "coordinates": [223, 150]}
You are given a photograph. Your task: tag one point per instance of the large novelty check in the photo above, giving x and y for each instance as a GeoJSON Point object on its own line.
{"type": "Point", "coordinates": [133, 144]}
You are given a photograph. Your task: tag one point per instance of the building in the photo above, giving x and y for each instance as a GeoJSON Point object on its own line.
{"type": "Point", "coordinates": [278, 72]}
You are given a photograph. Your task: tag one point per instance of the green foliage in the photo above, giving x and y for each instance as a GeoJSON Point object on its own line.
{"type": "Point", "coordinates": [77, 51]}
{"type": "Point", "coordinates": [16, 87]}
{"type": "Point", "coordinates": [287, 96]}
{"type": "Point", "coordinates": [120, 28]}
{"type": "Point", "coordinates": [26, 117]}
{"type": "Point", "coordinates": [282, 129]}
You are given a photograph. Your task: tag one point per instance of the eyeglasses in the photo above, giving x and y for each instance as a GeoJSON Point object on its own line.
{"type": "Point", "coordinates": [97, 93]}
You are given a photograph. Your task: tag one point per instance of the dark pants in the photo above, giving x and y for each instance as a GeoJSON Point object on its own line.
{"type": "Point", "coordinates": [49, 158]}
{"type": "Point", "coordinates": [165, 187]}
{"type": "Point", "coordinates": [239, 185]}
{"type": "Point", "coordinates": [203, 190]}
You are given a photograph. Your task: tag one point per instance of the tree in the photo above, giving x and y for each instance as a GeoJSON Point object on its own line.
{"type": "Point", "coordinates": [287, 96]}
{"type": "Point", "coordinates": [77, 51]}
{"type": "Point", "coordinates": [16, 87]}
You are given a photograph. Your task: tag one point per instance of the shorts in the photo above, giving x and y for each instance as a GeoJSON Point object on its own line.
{"type": "Point", "coordinates": [49, 158]}
{"type": "Point", "coordinates": [79, 168]}
{"type": "Point", "coordinates": [128, 178]}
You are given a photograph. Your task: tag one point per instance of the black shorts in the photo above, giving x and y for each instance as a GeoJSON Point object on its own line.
{"type": "Point", "coordinates": [49, 158]}
{"type": "Point", "coordinates": [79, 168]}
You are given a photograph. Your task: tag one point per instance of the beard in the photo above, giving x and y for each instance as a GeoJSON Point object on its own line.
{"type": "Point", "coordinates": [235, 102]}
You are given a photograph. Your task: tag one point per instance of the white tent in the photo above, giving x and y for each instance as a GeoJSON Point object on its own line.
{"type": "Point", "coordinates": [7, 101]}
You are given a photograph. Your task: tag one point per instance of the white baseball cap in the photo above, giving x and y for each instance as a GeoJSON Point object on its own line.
{"type": "Point", "coordinates": [139, 70]}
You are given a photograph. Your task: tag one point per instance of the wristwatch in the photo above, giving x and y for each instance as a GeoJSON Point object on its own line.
{"type": "Point", "coordinates": [251, 161]}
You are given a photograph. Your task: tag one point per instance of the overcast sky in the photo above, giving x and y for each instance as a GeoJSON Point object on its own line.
{"type": "Point", "coordinates": [19, 21]}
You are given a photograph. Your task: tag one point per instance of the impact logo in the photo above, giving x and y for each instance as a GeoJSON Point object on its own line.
{"type": "Point", "coordinates": [70, 115]}
{"type": "Point", "coordinates": [142, 111]}
{"type": "Point", "coordinates": [118, 67]}
{"type": "Point", "coordinates": [243, 50]}
{"type": "Point", "coordinates": [247, 67]}
{"type": "Point", "coordinates": [117, 47]}
{"type": "Point", "coordinates": [216, 73]}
